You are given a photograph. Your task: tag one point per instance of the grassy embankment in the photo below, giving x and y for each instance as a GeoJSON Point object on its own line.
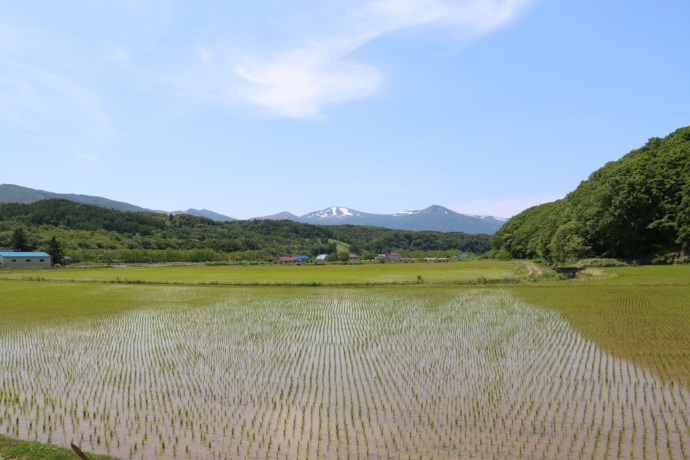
{"type": "Point", "coordinates": [31, 450]}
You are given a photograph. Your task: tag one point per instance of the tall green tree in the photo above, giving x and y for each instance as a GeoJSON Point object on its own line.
{"type": "Point", "coordinates": [20, 241]}
{"type": "Point", "coordinates": [55, 250]}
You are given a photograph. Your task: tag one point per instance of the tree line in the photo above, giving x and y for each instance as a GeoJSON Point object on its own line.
{"type": "Point", "coordinates": [87, 232]}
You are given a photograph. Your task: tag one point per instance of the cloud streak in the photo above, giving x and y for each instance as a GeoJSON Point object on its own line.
{"type": "Point", "coordinates": [292, 59]}
{"type": "Point", "coordinates": [31, 93]}
{"type": "Point", "coordinates": [38, 80]}
{"type": "Point", "coordinates": [315, 68]}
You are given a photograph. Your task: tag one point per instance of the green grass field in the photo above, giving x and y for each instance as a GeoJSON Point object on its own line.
{"type": "Point", "coordinates": [402, 273]}
{"type": "Point", "coordinates": [587, 368]}
{"type": "Point", "coordinates": [647, 275]}
{"type": "Point", "coordinates": [641, 314]}
{"type": "Point", "coordinates": [648, 325]}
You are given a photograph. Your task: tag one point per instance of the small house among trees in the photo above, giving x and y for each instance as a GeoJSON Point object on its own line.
{"type": "Point", "coordinates": [390, 256]}
{"type": "Point", "coordinates": [287, 260]}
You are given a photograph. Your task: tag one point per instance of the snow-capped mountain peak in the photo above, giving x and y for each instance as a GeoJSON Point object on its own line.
{"type": "Point", "coordinates": [334, 212]}
{"type": "Point", "coordinates": [434, 218]}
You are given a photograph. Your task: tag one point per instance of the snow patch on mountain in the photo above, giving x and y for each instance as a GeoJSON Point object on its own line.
{"type": "Point", "coordinates": [433, 218]}
{"type": "Point", "coordinates": [334, 212]}
{"type": "Point", "coordinates": [502, 219]}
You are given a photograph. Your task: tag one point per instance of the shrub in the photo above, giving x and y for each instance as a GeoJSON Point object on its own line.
{"type": "Point", "coordinates": [596, 263]}
{"type": "Point", "coordinates": [671, 258]}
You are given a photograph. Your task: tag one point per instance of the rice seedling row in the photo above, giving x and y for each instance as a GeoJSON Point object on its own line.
{"type": "Point", "coordinates": [331, 373]}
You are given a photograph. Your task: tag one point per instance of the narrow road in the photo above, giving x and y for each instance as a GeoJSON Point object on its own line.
{"type": "Point", "coordinates": [534, 269]}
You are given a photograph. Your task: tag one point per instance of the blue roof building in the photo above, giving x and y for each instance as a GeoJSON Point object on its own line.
{"type": "Point", "coordinates": [25, 259]}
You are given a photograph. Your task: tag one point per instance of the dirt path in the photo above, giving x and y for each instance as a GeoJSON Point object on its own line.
{"type": "Point", "coordinates": [534, 269]}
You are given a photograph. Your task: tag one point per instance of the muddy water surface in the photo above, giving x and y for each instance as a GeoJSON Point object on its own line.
{"type": "Point", "coordinates": [336, 373]}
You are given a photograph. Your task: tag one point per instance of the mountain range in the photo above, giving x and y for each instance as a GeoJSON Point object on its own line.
{"type": "Point", "coordinates": [436, 218]}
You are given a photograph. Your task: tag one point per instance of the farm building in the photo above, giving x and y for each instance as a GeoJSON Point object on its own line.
{"type": "Point", "coordinates": [25, 259]}
{"type": "Point", "coordinates": [301, 258]}
{"type": "Point", "coordinates": [287, 260]}
{"type": "Point", "coordinates": [321, 258]}
{"type": "Point", "coordinates": [390, 256]}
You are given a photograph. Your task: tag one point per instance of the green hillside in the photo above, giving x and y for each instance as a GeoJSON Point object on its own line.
{"type": "Point", "coordinates": [16, 194]}
{"type": "Point", "coordinates": [96, 233]}
{"type": "Point", "coordinates": [635, 208]}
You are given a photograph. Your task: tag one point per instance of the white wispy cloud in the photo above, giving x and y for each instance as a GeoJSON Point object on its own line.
{"type": "Point", "coordinates": [31, 93]}
{"type": "Point", "coordinates": [86, 162]}
{"type": "Point", "coordinates": [295, 64]}
{"type": "Point", "coordinates": [315, 67]}
{"type": "Point", "coordinates": [39, 80]}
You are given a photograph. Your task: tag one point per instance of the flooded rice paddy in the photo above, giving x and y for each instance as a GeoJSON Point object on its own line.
{"type": "Point", "coordinates": [333, 373]}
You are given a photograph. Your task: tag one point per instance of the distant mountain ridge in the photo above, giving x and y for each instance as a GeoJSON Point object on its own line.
{"type": "Point", "coordinates": [17, 194]}
{"type": "Point", "coordinates": [202, 213]}
{"type": "Point", "coordinates": [434, 218]}
{"type": "Point", "coordinates": [437, 218]}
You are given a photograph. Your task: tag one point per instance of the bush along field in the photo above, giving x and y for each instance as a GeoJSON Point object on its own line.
{"type": "Point", "coordinates": [143, 371]}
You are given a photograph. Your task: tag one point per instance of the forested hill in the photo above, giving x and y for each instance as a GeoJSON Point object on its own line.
{"type": "Point", "coordinates": [80, 226]}
{"type": "Point", "coordinates": [10, 193]}
{"type": "Point", "coordinates": [635, 208]}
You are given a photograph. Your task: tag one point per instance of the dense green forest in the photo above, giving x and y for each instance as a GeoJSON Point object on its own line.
{"type": "Point", "coordinates": [636, 208]}
{"type": "Point", "coordinates": [91, 233]}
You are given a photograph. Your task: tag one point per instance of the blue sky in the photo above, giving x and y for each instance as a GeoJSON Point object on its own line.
{"type": "Point", "coordinates": [252, 108]}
